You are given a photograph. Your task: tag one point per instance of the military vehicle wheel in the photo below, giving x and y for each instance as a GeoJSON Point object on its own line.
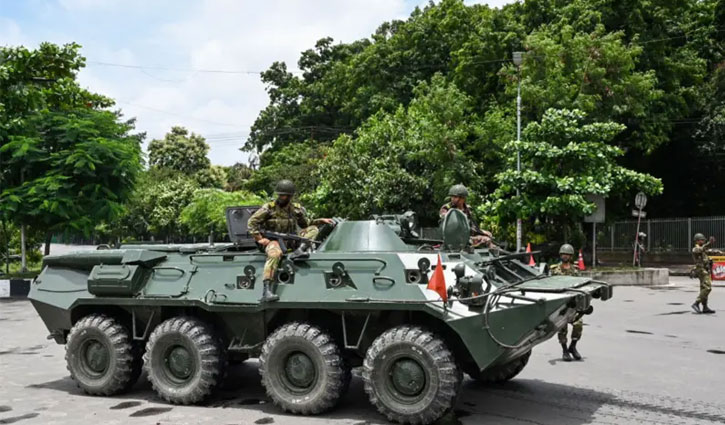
{"type": "Point", "coordinates": [501, 373]}
{"type": "Point", "coordinates": [410, 375]}
{"type": "Point", "coordinates": [302, 369]}
{"type": "Point", "coordinates": [101, 356]}
{"type": "Point", "coordinates": [184, 360]}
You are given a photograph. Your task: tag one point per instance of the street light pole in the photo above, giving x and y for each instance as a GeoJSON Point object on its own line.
{"type": "Point", "coordinates": [518, 58]}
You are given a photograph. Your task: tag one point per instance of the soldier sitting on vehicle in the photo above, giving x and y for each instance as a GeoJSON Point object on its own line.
{"type": "Point", "coordinates": [567, 268]}
{"type": "Point", "coordinates": [458, 194]}
{"type": "Point", "coordinates": [702, 270]}
{"type": "Point", "coordinates": [281, 216]}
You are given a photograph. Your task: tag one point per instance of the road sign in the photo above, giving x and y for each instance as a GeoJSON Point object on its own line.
{"type": "Point", "coordinates": [598, 215]}
{"type": "Point", "coordinates": [638, 213]}
{"type": "Point", "coordinates": [640, 201]}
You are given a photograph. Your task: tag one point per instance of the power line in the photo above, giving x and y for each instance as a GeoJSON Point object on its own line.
{"type": "Point", "coordinates": [179, 115]}
{"type": "Point", "coordinates": [165, 68]}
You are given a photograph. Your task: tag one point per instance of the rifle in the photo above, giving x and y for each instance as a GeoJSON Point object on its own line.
{"type": "Point", "coordinates": [281, 237]}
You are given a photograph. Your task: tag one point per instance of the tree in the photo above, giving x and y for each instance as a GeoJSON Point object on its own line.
{"type": "Point", "coordinates": [237, 177]}
{"type": "Point", "coordinates": [206, 211]}
{"type": "Point", "coordinates": [66, 161]}
{"type": "Point", "coordinates": [180, 151]}
{"type": "Point", "coordinates": [78, 166]}
{"type": "Point", "coordinates": [156, 204]}
{"type": "Point", "coordinates": [563, 160]}
{"type": "Point", "coordinates": [402, 160]}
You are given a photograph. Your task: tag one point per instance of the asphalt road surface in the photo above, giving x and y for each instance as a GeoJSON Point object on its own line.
{"type": "Point", "coordinates": [647, 360]}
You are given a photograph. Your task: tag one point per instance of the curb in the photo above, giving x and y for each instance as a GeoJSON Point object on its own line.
{"type": "Point", "coordinates": [14, 288]}
{"type": "Point", "coordinates": [641, 277]}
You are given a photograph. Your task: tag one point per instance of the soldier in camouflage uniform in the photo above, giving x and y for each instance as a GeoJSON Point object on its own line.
{"type": "Point", "coordinates": [702, 270]}
{"type": "Point", "coordinates": [567, 268]}
{"type": "Point", "coordinates": [458, 194]}
{"type": "Point", "coordinates": [281, 216]}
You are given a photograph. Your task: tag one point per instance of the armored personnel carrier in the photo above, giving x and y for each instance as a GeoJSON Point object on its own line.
{"type": "Point", "coordinates": [360, 299]}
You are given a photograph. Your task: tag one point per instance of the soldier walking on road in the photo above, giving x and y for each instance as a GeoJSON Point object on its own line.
{"type": "Point", "coordinates": [458, 194]}
{"type": "Point", "coordinates": [567, 268]}
{"type": "Point", "coordinates": [281, 216]}
{"type": "Point", "coordinates": [702, 270]}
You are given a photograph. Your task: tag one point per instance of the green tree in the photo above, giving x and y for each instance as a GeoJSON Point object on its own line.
{"type": "Point", "coordinates": [156, 204]}
{"type": "Point", "coordinates": [206, 211]}
{"type": "Point", "coordinates": [237, 177]}
{"type": "Point", "coordinates": [66, 161]}
{"type": "Point", "coordinates": [180, 151]}
{"type": "Point", "coordinates": [402, 160]}
{"type": "Point", "coordinates": [563, 160]}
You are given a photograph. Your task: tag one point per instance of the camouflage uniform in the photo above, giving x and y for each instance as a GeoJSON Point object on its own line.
{"type": "Point", "coordinates": [287, 219]}
{"type": "Point", "coordinates": [577, 326]}
{"type": "Point", "coordinates": [702, 270]}
{"type": "Point", "coordinates": [478, 236]}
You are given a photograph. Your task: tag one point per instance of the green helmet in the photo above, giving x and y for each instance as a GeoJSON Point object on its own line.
{"type": "Point", "coordinates": [285, 187]}
{"type": "Point", "coordinates": [566, 249]}
{"type": "Point", "coordinates": [458, 190]}
{"type": "Point", "coordinates": [699, 237]}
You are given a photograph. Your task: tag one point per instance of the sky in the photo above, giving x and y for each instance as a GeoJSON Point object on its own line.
{"type": "Point", "coordinates": [159, 58]}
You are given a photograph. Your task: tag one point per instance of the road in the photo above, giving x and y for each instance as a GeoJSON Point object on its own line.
{"type": "Point", "coordinates": [648, 360]}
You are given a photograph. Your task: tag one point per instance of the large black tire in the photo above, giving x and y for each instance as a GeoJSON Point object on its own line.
{"type": "Point", "coordinates": [302, 369]}
{"type": "Point", "coordinates": [501, 373]}
{"type": "Point", "coordinates": [184, 360]}
{"type": "Point", "coordinates": [101, 356]}
{"type": "Point", "coordinates": [411, 376]}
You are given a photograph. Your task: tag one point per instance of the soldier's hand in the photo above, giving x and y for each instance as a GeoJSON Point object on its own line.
{"type": "Point", "coordinates": [328, 221]}
{"type": "Point", "coordinates": [263, 241]}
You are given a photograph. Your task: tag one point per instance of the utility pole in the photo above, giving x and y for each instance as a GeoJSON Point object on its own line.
{"type": "Point", "coordinates": [518, 59]}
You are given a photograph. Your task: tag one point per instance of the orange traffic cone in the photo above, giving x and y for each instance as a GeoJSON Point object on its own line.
{"type": "Point", "coordinates": [580, 263]}
{"type": "Point", "coordinates": [532, 263]}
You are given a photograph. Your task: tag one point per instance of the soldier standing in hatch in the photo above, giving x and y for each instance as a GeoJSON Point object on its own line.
{"type": "Point", "coordinates": [281, 216]}
{"type": "Point", "coordinates": [458, 194]}
{"type": "Point", "coordinates": [567, 268]}
{"type": "Point", "coordinates": [703, 268]}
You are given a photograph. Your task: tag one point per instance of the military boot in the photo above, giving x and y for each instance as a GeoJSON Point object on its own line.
{"type": "Point", "coordinates": [696, 307]}
{"type": "Point", "coordinates": [301, 253]}
{"type": "Point", "coordinates": [267, 294]}
{"type": "Point", "coordinates": [573, 351]}
{"type": "Point", "coordinates": [706, 309]}
{"type": "Point", "coordinates": [565, 352]}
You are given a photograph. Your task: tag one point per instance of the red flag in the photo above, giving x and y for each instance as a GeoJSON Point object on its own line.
{"type": "Point", "coordinates": [580, 263]}
{"type": "Point", "coordinates": [438, 281]}
{"type": "Point", "coordinates": [532, 263]}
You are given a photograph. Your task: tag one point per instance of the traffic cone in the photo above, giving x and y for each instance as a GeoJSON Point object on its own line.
{"type": "Point", "coordinates": [532, 263]}
{"type": "Point", "coordinates": [580, 263]}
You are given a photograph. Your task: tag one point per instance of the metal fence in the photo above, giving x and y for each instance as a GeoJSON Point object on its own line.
{"type": "Point", "coordinates": [663, 234]}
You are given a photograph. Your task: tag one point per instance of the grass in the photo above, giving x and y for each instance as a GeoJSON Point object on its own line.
{"type": "Point", "coordinates": [15, 273]}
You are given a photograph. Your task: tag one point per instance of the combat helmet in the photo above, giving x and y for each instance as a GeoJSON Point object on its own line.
{"type": "Point", "coordinates": [458, 190]}
{"type": "Point", "coordinates": [566, 249]}
{"type": "Point", "coordinates": [285, 187]}
{"type": "Point", "coordinates": [699, 237]}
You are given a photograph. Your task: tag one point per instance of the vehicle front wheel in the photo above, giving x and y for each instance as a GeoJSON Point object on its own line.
{"type": "Point", "coordinates": [184, 360]}
{"type": "Point", "coordinates": [411, 376]}
{"type": "Point", "coordinates": [101, 356]}
{"type": "Point", "coordinates": [302, 369]}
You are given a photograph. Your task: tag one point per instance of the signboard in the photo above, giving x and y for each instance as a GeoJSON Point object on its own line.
{"type": "Point", "coordinates": [718, 268]}
{"type": "Point", "coordinates": [640, 201]}
{"type": "Point", "coordinates": [638, 213]}
{"type": "Point", "coordinates": [4, 288]}
{"type": "Point", "coordinates": [598, 215]}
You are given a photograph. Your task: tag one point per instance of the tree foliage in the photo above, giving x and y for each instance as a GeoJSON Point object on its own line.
{"type": "Point", "coordinates": [180, 151]}
{"type": "Point", "coordinates": [563, 160]}
{"type": "Point", "coordinates": [206, 211]}
{"type": "Point", "coordinates": [65, 160]}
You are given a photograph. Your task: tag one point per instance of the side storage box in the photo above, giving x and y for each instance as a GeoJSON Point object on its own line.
{"type": "Point", "coordinates": [116, 280]}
